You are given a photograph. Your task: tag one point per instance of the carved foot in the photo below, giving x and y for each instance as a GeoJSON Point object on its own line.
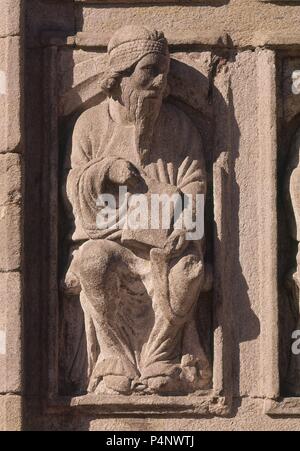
{"type": "Point", "coordinates": [115, 385]}
{"type": "Point", "coordinates": [168, 378]}
{"type": "Point", "coordinates": [113, 375]}
{"type": "Point", "coordinates": [162, 378]}
{"type": "Point", "coordinates": [162, 385]}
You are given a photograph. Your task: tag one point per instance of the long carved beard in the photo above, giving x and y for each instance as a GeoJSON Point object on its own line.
{"type": "Point", "coordinates": [143, 112]}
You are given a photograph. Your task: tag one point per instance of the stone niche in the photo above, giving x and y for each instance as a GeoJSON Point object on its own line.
{"type": "Point", "coordinates": [200, 84]}
{"type": "Point", "coordinates": [231, 111]}
{"type": "Point", "coordinates": [75, 76]}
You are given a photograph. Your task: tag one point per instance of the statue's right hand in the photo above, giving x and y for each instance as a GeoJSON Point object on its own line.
{"type": "Point", "coordinates": [122, 172]}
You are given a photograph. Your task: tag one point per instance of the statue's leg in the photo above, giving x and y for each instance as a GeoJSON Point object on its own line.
{"type": "Point", "coordinates": [101, 264]}
{"type": "Point", "coordinates": [177, 287]}
{"type": "Point", "coordinates": [91, 337]}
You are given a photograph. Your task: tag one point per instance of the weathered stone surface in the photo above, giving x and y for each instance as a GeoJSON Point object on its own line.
{"type": "Point", "coordinates": [267, 229]}
{"type": "Point", "coordinates": [11, 231]}
{"type": "Point", "coordinates": [10, 179]}
{"type": "Point", "coordinates": [281, 1]}
{"type": "Point", "coordinates": [128, 1]}
{"type": "Point", "coordinates": [10, 413]}
{"type": "Point", "coordinates": [251, 17]}
{"type": "Point", "coordinates": [10, 94]}
{"type": "Point", "coordinates": [43, 17]}
{"type": "Point", "coordinates": [11, 191]}
{"type": "Point", "coordinates": [11, 18]}
{"type": "Point", "coordinates": [10, 259]}
{"type": "Point", "coordinates": [10, 333]}
{"type": "Point", "coordinates": [245, 215]}
{"type": "Point", "coordinates": [248, 417]}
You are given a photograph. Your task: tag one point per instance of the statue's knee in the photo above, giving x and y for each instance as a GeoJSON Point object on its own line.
{"type": "Point", "coordinates": [190, 267]}
{"type": "Point", "coordinates": [97, 258]}
{"type": "Point", "coordinates": [192, 273]}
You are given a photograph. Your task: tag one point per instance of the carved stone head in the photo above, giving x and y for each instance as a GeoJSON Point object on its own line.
{"type": "Point", "coordinates": [139, 63]}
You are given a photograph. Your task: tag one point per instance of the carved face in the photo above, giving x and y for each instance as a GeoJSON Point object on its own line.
{"type": "Point", "coordinates": [142, 91]}
{"type": "Point", "coordinates": [150, 74]}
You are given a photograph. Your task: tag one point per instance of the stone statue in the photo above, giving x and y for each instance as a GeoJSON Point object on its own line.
{"type": "Point", "coordinates": [138, 288]}
{"type": "Point", "coordinates": [293, 280]}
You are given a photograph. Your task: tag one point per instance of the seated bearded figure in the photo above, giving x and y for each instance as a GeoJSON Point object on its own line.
{"type": "Point", "coordinates": [138, 289]}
